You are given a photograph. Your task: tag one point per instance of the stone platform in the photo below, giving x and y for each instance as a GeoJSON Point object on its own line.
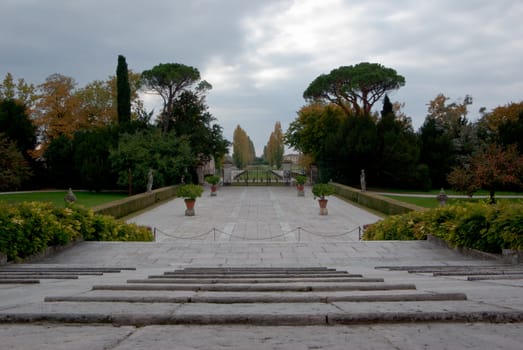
{"type": "Point", "coordinates": [259, 268]}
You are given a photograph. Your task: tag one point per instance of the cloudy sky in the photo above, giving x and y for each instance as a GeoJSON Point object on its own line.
{"type": "Point", "coordinates": [261, 55]}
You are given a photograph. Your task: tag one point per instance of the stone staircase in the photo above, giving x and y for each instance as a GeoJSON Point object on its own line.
{"type": "Point", "coordinates": [24, 274]}
{"type": "Point", "coordinates": [257, 296]}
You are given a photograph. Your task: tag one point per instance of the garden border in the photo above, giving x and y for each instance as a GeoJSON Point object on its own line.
{"type": "Point", "coordinates": [387, 206]}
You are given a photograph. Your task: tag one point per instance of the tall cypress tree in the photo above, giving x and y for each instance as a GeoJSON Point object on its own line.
{"type": "Point", "coordinates": [123, 92]}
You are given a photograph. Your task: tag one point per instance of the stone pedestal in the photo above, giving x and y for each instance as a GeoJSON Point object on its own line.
{"type": "Point", "coordinates": [323, 206]}
{"type": "Point", "coordinates": [227, 173]}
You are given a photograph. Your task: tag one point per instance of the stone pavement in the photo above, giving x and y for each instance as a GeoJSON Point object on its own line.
{"type": "Point", "coordinates": [250, 271]}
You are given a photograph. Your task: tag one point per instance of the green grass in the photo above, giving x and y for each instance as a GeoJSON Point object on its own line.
{"type": "Point", "coordinates": [433, 203]}
{"type": "Point", "coordinates": [87, 199]}
{"type": "Point", "coordinates": [447, 191]}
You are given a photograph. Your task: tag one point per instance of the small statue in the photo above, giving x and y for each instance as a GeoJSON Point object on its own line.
{"type": "Point", "coordinates": [362, 181]}
{"type": "Point", "coordinates": [150, 180]}
{"type": "Point", "coordinates": [70, 197]}
{"type": "Point", "coordinates": [442, 198]}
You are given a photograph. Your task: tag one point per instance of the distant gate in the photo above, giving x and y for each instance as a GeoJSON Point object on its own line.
{"type": "Point", "coordinates": [260, 176]}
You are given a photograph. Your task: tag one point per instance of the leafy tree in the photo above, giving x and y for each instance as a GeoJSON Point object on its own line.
{"type": "Point", "coordinates": [168, 155]}
{"type": "Point", "coordinates": [192, 120]}
{"type": "Point", "coordinates": [16, 125]}
{"type": "Point", "coordinates": [355, 89]}
{"type": "Point", "coordinates": [490, 123]}
{"type": "Point", "coordinates": [308, 131]}
{"type": "Point", "coordinates": [275, 148]}
{"type": "Point", "coordinates": [169, 80]}
{"type": "Point", "coordinates": [14, 168]}
{"type": "Point", "coordinates": [95, 107]}
{"type": "Point", "coordinates": [349, 148]}
{"type": "Point", "coordinates": [397, 150]}
{"type": "Point", "coordinates": [492, 168]}
{"type": "Point", "coordinates": [20, 91]}
{"type": "Point", "coordinates": [123, 91]}
{"type": "Point", "coordinates": [511, 132]}
{"type": "Point", "coordinates": [91, 150]}
{"type": "Point", "coordinates": [447, 138]}
{"type": "Point", "coordinates": [60, 162]}
{"type": "Point", "coordinates": [242, 148]}
{"type": "Point", "coordinates": [56, 108]}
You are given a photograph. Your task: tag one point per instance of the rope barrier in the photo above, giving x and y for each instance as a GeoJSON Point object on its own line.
{"type": "Point", "coordinates": [298, 229]}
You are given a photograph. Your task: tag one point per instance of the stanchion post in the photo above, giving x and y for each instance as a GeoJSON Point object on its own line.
{"type": "Point", "coordinates": [359, 233]}
{"type": "Point", "coordinates": [214, 233]}
{"type": "Point", "coordinates": [299, 234]}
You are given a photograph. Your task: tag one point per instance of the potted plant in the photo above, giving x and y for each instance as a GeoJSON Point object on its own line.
{"type": "Point", "coordinates": [213, 180]}
{"type": "Point", "coordinates": [321, 191]}
{"type": "Point", "coordinates": [300, 182]}
{"type": "Point", "coordinates": [189, 192]}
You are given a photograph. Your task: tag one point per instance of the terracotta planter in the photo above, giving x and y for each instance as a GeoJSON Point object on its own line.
{"type": "Point", "coordinates": [214, 189]}
{"type": "Point", "coordinates": [301, 191]}
{"type": "Point", "coordinates": [323, 206]}
{"type": "Point", "coordinates": [189, 204]}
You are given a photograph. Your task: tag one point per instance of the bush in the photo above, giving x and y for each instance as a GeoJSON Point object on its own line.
{"type": "Point", "coordinates": [481, 226]}
{"type": "Point", "coordinates": [29, 228]}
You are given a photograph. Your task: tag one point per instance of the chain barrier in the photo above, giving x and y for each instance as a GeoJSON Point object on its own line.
{"type": "Point", "coordinates": [298, 229]}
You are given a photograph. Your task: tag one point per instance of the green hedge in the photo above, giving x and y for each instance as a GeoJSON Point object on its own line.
{"type": "Point", "coordinates": [129, 205]}
{"type": "Point", "coordinates": [387, 206]}
{"type": "Point", "coordinates": [28, 228]}
{"type": "Point", "coordinates": [481, 226]}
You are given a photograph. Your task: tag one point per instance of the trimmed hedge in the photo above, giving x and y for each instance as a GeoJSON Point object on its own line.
{"type": "Point", "coordinates": [28, 228]}
{"type": "Point", "coordinates": [486, 227]}
{"type": "Point", "coordinates": [129, 205]}
{"type": "Point", "coordinates": [387, 206]}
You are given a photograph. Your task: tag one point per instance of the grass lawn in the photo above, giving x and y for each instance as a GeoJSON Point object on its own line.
{"type": "Point", "coordinates": [87, 199]}
{"type": "Point", "coordinates": [433, 203]}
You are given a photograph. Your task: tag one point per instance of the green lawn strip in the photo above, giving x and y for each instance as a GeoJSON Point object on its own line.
{"type": "Point", "coordinates": [433, 203]}
{"type": "Point", "coordinates": [435, 192]}
{"type": "Point", "coordinates": [87, 199]}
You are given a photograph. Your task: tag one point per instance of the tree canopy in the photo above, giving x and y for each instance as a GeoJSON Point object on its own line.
{"type": "Point", "coordinates": [354, 88]}
{"type": "Point", "coordinates": [169, 80]}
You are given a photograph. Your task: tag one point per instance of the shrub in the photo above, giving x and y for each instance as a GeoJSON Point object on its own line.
{"type": "Point", "coordinates": [322, 190]}
{"type": "Point", "coordinates": [481, 226]}
{"type": "Point", "coordinates": [28, 228]}
{"type": "Point", "coordinates": [189, 191]}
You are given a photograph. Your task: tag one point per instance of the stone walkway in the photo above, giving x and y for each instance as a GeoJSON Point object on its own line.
{"type": "Point", "coordinates": [265, 247]}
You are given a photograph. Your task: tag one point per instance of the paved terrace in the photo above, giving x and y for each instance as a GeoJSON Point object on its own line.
{"type": "Point", "coordinates": [258, 268]}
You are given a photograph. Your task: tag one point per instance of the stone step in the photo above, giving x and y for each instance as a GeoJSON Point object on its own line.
{"type": "Point", "coordinates": [444, 268]}
{"type": "Point", "coordinates": [257, 288]}
{"type": "Point", "coordinates": [18, 281]}
{"type": "Point", "coordinates": [67, 269]}
{"type": "Point", "coordinates": [56, 277]}
{"type": "Point", "coordinates": [490, 277]}
{"type": "Point", "coordinates": [259, 275]}
{"type": "Point", "coordinates": [252, 280]}
{"type": "Point", "coordinates": [262, 299]}
{"type": "Point", "coordinates": [478, 272]}
{"type": "Point", "coordinates": [252, 271]}
{"type": "Point", "coordinates": [260, 319]}
{"type": "Point", "coordinates": [43, 273]}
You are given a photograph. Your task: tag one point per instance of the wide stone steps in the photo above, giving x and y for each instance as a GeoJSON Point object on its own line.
{"type": "Point", "coordinates": [264, 296]}
{"type": "Point", "coordinates": [471, 273]}
{"type": "Point", "coordinates": [27, 274]}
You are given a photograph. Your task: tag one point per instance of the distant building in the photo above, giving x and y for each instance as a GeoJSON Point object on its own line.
{"type": "Point", "coordinates": [294, 158]}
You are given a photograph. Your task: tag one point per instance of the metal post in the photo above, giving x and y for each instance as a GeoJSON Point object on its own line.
{"type": "Point", "coordinates": [214, 233]}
